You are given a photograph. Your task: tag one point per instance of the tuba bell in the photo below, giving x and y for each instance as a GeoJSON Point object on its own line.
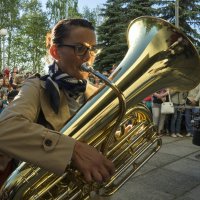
{"type": "Point", "coordinates": [159, 56]}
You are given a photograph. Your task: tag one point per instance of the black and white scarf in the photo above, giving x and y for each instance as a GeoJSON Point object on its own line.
{"type": "Point", "coordinates": [56, 80]}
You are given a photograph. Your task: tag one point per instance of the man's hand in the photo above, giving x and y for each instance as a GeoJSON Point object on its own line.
{"type": "Point", "coordinates": [92, 164]}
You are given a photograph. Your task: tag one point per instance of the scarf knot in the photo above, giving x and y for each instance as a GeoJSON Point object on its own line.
{"type": "Point", "coordinates": [56, 80]}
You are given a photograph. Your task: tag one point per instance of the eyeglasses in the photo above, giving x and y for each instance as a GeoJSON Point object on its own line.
{"type": "Point", "coordinates": [81, 49]}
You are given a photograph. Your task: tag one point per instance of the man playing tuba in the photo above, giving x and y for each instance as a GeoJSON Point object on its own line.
{"type": "Point", "coordinates": [30, 125]}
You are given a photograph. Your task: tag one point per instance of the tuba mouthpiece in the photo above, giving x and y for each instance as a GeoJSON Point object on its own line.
{"type": "Point", "coordinates": [85, 67]}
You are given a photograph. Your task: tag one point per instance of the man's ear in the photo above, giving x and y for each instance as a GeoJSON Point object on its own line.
{"type": "Point", "coordinates": [54, 52]}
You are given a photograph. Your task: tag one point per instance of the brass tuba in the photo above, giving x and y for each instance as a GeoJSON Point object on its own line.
{"type": "Point", "coordinates": [159, 56]}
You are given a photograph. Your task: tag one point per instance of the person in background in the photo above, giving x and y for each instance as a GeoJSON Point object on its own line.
{"type": "Point", "coordinates": [178, 99]}
{"type": "Point", "coordinates": [28, 75]}
{"type": "Point", "coordinates": [11, 95]}
{"type": "Point", "coordinates": [31, 124]}
{"type": "Point", "coordinates": [192, 107]}
{"type": "Point", "coordinates": [196, 132]}
{"type": "Point", "coordinates": [148, 102]}
{"type": "Point", "coordinates": [6, 72]}
{"type": "Point", "coordinates": [37, 75]}
{"type": "Point", "coordinates": [7, 164]}
{"type": "Point", "coordinates": [4, 102]}
{"type": "Point", "coordinates": [1, 105]}
{"type": "Point", "coordinates": [11, 78]}
{"type": "Point", "coordinates": [3, 93]}
{"type": "Point", "coordinates": [114, 66]}
{"type": "Point", "coordinates": [1, 86]}
{"type": "Point", "coordinates": [158, 98]}
{"type": "Point", "coordinates": [7, 84]}
{"type": "Point", "coordinates": [4, 86]}
{"type": "Point", "coordinates": [96, 81]}
{"type": "Point", "coordinates": [105, 73]}
{"type": "Point", "coordinates": [18, 81]}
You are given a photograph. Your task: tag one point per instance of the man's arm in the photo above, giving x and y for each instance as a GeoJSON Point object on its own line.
{"type": "Point", "coordinates": [197, 98]}
{"type": "Point", "coordinates": [23, 139]}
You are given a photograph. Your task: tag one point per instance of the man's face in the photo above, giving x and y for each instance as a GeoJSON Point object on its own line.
{"type": "Point", "coordinates": [1, 82]}
{"type": "Point", "coordinates": [69, 62]}
{"type": "Point", "coordinates": [6, 81]}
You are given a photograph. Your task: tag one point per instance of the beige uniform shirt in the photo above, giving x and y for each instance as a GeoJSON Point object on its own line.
{"type": "Point", "coordinates": [22, 138]}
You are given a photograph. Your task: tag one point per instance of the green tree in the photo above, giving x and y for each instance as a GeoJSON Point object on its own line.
{"type": "Point", "coordinates": [189, 17]}
{"type": "Point", "coordinates": [92, 15]}
{"type": "Point", "coordinates": [112, 32]}
{"type": "Point", "coordinates": [111, 35]}
{"type": "Point", "coordinates": [9, 19]}
{"type": "Point", "coordinates": [73, 9]}
{"type": "Point", "coordinates": [89, 15]}
{"type": "Point", "coordinates": [29, 43]}
{"type": "Point", "coordinates": [61, 9]}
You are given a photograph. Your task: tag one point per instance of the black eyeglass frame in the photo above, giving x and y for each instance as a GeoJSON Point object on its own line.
{"type": "Point", "coordinates": [92, 49]}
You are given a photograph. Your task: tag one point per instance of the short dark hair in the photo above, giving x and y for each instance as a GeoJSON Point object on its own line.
{"type": "Point", "coordinates": [11, 95]}
{"type": "Point", "coordinates": [63, 28]}
{"type": "Point", "coordinates": [37, 75]}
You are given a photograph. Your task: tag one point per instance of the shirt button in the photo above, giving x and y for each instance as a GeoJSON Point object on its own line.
{"type": "Point", "coordinates": [48, 142]}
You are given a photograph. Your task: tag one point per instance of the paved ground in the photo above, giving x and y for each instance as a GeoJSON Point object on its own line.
{"type": "Point", "coordinates": [173, 173]}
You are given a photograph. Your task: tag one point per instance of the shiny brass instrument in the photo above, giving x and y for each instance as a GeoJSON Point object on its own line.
{"type": "Point", "coordinates": [159, 56]}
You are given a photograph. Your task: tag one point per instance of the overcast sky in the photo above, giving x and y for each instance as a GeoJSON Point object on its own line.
{"type": "Point", "coordinates": [82, 3]}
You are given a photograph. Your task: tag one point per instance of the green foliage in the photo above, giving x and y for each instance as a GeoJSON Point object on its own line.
{"type": "Point", "coordinates": [89, 15]}
{"type": "Point", "coordinates": [28, 26]}
{"type": "Point", "coordinates": [119, 13]}
{"type": "Point", "coordinates": [61, 9]}
{"type": "Point", "coordinates": [9, 19]}
{"type": "Point", "coordinates": [9, 13]}
{"type": "Point", "coordinates": [189, 17]}
{"type": "Point", "coordinates": [28, 22]}
{"type": "Point", "coordinates": [112, 32]}
{"type": "Point", "coordinates": [29, 41]}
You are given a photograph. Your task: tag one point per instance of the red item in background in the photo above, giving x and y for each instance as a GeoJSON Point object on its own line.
{"type": "Point", "coordinates": [148, 98]}
{"type": "Point", "coordinates": [6, 72]}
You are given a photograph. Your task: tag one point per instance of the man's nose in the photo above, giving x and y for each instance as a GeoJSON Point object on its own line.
{"type": "Point", "coordinates": [86, 56]}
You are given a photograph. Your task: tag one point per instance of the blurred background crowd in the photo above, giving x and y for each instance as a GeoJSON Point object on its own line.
{"type": "Point", "coordinates": [182, 122]}
{"type": "Point", "coordinates": [186, 116]}
{"type": "Point", "coordinates": [10, 84]}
